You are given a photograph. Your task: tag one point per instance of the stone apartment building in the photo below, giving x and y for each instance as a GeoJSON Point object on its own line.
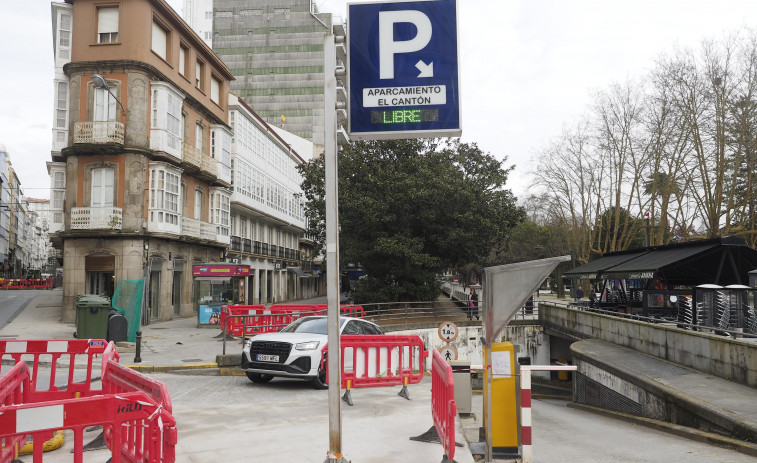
{"type": "Point", "coordinates": [141, 159]}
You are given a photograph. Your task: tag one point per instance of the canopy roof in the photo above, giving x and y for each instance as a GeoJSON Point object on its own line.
{"type": "Point", "coordinates": [719, 261]}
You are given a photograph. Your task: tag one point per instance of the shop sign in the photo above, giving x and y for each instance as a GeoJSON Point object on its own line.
{"type": "Point", "coordinates": [220, 270]}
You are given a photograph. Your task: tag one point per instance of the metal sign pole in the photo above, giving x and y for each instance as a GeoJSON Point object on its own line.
{"type": "Point", "coordinates": [332, 250]}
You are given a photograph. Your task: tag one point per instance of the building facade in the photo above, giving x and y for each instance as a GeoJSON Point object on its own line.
{"type": "Point", "coordinates": [267, 211]}
{"type": "Point", "coordinates": [274, 48]}
{"type": "Point", "coordinates": [5, 212]}
{"type": "Point", "coordinates": [143, 151]}
{"type": "Point", "coordinates": [42, 253]}
{"type": "Point", "coordinates": [199, 15]}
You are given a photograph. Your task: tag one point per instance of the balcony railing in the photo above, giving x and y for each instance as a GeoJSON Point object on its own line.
{"type": "Point", "coordinates": [99, 132]}
{"type": "Point", "coordinates": [208, 231]}
{"type": "Point", "coordinates": [274, 250]}
{"type": "Point", "coordinates": [190, 227]}
{"type": "Point", "coordinates": [257, 247]}
{"type": "Point", "coordinates": [247, 245]}
{"type": "Point", "coordinates": [192, 155]}
{"type": "Point", "coordinates": [203, 230]}
{"type": "Point", "coordinates": [236, 244]}
{"type": "Point", "coordinates": [96, 218]}
{"type": "Point", "coordinates": [209, 165]}
{"type": "Point", "coordinates": [264, 251]}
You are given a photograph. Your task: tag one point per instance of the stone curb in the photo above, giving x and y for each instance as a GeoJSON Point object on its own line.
{"type": "Point", "coordinates": [171, 368]}
{"type": "Point", "coordinates": [740, 446]}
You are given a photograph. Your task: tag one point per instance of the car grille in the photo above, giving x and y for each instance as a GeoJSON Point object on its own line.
{"type": "Point", "coordinates": [281, 349]}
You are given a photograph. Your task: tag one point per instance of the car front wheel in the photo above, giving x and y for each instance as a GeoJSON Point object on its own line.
{"type": "Point", "coordinates": [319, 381]}
{"type": "Point", "coordinates": [259, 378]}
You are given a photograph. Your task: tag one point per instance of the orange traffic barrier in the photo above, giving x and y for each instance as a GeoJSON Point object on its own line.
{"type": "Point", "coordinates": [380, 360]}
{"type": "Point", "coordinates": [443, 407]}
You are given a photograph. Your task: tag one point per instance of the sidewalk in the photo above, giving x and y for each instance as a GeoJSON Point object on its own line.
{"type": "Point", "coordinates": [167, 345]}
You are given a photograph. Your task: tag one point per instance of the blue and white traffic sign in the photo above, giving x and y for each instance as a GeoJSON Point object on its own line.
{"type": "Point", "coordinates": [402, 72]}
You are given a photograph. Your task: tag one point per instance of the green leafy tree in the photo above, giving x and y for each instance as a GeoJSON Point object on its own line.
{"type": "Point", "coordinates": [408, 209]}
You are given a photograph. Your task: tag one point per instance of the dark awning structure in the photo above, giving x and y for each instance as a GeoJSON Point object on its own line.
{"type": "Point", "coordinates": [298, 271]}
{"type": "Point", "coordinates": [721, 261]}
{"type": "Point", "coordinates": [597, 267]}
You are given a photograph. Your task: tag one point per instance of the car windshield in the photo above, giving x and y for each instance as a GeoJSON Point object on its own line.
{"type": "Point", "coordinates": [315, 325]}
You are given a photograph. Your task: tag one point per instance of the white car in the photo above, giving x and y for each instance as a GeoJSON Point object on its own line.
{"type": "Point", "coordinates": [295, 351]}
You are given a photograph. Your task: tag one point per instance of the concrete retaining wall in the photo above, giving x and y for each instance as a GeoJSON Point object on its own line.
{"type": "Point", "coordinates": [731, 359]}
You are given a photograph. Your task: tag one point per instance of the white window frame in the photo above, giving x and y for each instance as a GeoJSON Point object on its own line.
{"type": "Point", "coordinates": [104, 109]}
{"type": "Point", "coordinates": [220, 207]}
{"type": "Point", "coordinates": [198, 136]}
{"type": "Point", "coordinates": [182, 60]}
{"type": "Point", "coordinates": [159, 42]}
{"type": "Point", "coordinates": [215, 90]}
{"type": "Point", "coordinates": [198, 204]}
{"type": "Point", "coordinates": [107, 24]}
{"type": "Point", "coordinates": [165, 198]}
{"type": "Point", "coordinates": [167, 124]}
{"type": "Point", "coordinates": [61, 105]}
{"type": "Point", "coordinates": [103, 183]}
{"type": "Point", "coordinates": [199, 67]}
{"type": "Point", "coordinates": [64, 33]}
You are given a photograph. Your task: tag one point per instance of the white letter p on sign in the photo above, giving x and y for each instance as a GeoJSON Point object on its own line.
{"type": "Point", "coordinates": [388, 47]}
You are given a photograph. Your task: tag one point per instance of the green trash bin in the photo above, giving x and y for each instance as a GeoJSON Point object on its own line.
{"type": "Point", "coordinates": [92, 316]}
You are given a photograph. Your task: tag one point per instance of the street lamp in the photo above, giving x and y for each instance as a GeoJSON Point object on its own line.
{"type": "Point", "coordinates": [99, 82]}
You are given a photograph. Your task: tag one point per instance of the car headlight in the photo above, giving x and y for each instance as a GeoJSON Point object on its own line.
{"type": "Point", "coordinates": [310, 345]}
{"type": "Point", "coordinates": [247, 344]}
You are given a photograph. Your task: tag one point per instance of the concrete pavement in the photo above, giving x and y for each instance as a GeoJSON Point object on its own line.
{"type": "Point", "coordinates": [378, 429]}
{"type": "Point", "coordinates": [179, 346]}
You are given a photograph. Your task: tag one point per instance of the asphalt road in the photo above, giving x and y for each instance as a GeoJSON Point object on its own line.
{"type": "Point", "coordinates": [230, 419]}
{"type": "Point", "coordinates": [12, 302]}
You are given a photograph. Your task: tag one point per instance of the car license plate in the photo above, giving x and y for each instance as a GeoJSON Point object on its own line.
{"type": "Point", "coordinates": [268, 358]}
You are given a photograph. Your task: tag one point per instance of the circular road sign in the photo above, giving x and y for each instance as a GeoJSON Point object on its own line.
{"type": "Point", "coordinates": [448, 331]}
{"type": "Point", "coordinates": [448, 352]}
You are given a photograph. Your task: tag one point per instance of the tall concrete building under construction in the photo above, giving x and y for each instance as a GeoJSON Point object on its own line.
{"type": "Point", "coordinates": [274, 49]}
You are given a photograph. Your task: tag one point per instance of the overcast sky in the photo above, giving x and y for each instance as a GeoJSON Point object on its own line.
{"type": "Point", "coordinates": [528, 67]}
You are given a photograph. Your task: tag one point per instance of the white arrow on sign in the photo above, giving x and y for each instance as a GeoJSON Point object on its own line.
{"type": "Point", "coordinates": [427, 70]}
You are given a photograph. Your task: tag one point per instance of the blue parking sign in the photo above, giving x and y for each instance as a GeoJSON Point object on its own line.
{"type": "Point", "coordinates": [402, 69]}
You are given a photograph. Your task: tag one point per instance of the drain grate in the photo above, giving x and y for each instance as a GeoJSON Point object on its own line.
{"type": "Point", "coordinates": [191, 360]}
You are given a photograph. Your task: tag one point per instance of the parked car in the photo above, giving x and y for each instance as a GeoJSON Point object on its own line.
{"type": "Point", "coordinates": [295, 351]}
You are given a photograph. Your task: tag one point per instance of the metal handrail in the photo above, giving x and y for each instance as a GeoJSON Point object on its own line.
{"type": "Point", "coordinates": [653, 320]}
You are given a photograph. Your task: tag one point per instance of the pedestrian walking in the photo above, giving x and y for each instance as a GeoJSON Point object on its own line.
{"type": "Point", "coordinates": [579, 294]}
{"type": "Point", "coordinates": [473, 305]}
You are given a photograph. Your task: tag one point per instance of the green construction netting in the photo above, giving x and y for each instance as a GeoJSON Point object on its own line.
{"type": "Point", "coordinates": [128, 300]}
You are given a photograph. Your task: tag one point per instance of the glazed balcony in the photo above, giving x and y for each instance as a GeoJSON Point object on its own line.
{"type": "Point", "coordinates": [96, 218]}
{"type": "Point", "coordinates": [99, 132]}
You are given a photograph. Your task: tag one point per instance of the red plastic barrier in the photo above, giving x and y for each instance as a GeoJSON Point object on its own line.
{"type": "Point", "coordinates": [150, 439]}
{"type": "Point", "coordinates": [68, 353]}
{"type": "Point", "coordinates": [120, 411]}
{"type": "Point", "coordinates": [443, 407]}
{"type": "Point", "coordinates": [236, 325]}
{"type": "Point", "coordinates": [15, 283]}
{"type": "Point", "coordinates": [272, 319]}
{"type": "Point", "coordinates": [15, 388]}
{"type": "Point", "coordinates": [381, 360]}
